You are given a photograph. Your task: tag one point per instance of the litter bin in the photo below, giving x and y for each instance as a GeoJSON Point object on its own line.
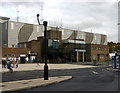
{"type": "Point", "coordinates": [94, 63]}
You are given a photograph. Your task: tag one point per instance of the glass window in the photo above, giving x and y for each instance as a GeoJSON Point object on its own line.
{"type": "Point", "coordinates": [20, 46]}
{"type": "Point", "coordinates": [4, 41]}
{"type": "Point", "coordinates": [100, 48]}
{"type": "Point", "coordinates": [67, 32]}
{"type": "Point", "coordinates": [50, 42]}
{"type": "Point", "coordinates": [94, 57]}
{"type": "Point", "coordinates": [101, 56]}
{"type": "Point", "coordinates": [13, 39]}
{"type": "Point", "coordinates": [105, 48]}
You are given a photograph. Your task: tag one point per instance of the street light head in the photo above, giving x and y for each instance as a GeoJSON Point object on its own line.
{"type": "Point", "coordinates": [45, 23]}
{"type": "Point", "coordinates": [37, 15]}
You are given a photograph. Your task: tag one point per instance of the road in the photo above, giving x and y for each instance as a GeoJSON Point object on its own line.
{"type": "Point", "coordinates": [85, 79]}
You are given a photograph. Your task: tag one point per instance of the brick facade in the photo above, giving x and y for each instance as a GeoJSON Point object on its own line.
{"type": "Point", "coordinates": [14, 52]}
{"type": "Point", "coordinates": [97, 52]}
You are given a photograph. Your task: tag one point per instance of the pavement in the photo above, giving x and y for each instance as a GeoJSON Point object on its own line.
{"type": "Point", "coordinates": [23, 84]}
{"type": "Point", "coordinates": [33, 66]}
{"type": "Point", "coordinates": [26, 84]}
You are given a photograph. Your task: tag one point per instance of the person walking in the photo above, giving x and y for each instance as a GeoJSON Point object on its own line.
{"type": "Point", "coordinates": [9, 66]}
{"type": "Point", "coordinates": [16, 64]}
{"type": "Point", "coordinates": [3, 63]}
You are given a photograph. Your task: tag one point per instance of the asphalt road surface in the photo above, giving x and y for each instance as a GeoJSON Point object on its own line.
{"type": "Point", "coordinates": [87, 79]}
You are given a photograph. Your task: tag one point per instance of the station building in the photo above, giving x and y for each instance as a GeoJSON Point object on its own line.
{"type": "Point", "coordinates": [64, 45]}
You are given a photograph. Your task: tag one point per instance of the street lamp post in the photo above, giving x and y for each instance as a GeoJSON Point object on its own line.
{"type": "Point", "coordinates": [46, 48]}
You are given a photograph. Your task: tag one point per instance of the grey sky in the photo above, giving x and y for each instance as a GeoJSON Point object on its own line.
{"type": "Point", "coordinates": [100, 16]}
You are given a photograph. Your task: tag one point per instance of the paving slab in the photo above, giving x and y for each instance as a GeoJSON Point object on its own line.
{"type": "Point", "coordinates": [28, 67]}
{"type": "Point", "coordinates": [31, 83]}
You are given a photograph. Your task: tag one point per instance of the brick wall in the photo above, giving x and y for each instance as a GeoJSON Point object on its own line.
{"type": "Point", "coordinates": [13, 52]}
{"type": "Point", "coordinates": [97, 51]}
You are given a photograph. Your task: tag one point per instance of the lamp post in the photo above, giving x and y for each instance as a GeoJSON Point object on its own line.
{"type": "Point", "coordinates": [46, 48]}
{"type": "Point", "coordinates": [38, 19]}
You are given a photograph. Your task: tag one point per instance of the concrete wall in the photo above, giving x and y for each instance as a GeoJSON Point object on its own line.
{"type": "Point", "coordinates": [89, 38]}
{"type": "Point", "coordinates": [22, 32]}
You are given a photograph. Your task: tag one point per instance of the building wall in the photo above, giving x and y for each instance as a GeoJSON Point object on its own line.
{"type": "Point", "coordinates": [88, 53]}
{"type": "Point", "coordinates": [96, 51]}
{"type": "Point", "coordinates": [55, 35]}
{"type": "Point", "coordinates": [36, 46]}
{"type": "Point", "coordinates": [13, 52]}
{"type": "Point", "coordinates": [4, 33]}
{"type": "Point", "coordinates": [89, 38]}
{"type": "Point", "coordinates": [22, 32]}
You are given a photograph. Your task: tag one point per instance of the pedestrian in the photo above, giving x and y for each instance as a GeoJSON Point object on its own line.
{"type": "Point", "coordinates": [16, 64]}
{"type": "Point", "coordinates": [9, 66]}
{"type": "Point", "coordinates": [33, 60]}
{"type": "Point", "coordinates": [3, 63]}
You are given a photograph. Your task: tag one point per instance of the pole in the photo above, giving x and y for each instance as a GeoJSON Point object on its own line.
{"type": "Point", "coordinates": [38, 19]}
{"type": "Point", "coordinates": [46, 48]}
{"type": "Point", "coordinates": [77, 57]}
{"type": "Point", "coordinates": [83, 56]}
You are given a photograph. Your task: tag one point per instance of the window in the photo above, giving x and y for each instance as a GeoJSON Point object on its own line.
{"type": "Point", "coordinates": [50, 42]}
{"type": "Point", "coordinates": [4, 41]}
{"type": "Point", "coordinates": [105, 48]}
{"type": "Point", "coordinates": [101, 56]}
{"type": "Point", "coordinates": [94, 57]}
{"type": "Point", "coordinates": [12, 25]}
{"type": "Point", "coordinates": [37, 28]}
{"type": "Point", "coordinates": [67, 32]}
{"type": "Point", "coordinates": [100, 48]}
{"type": "Point", "coordinates": [25, 45]}
{"type": "Point", "coordinates": [20, 46]}
{"type": "Point", "coordinates": [13, 39]}
{"type": "Point", "coordinates": [94, 48]}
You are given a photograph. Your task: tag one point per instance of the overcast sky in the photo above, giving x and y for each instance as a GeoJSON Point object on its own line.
{"type": "Point", "coordinates": [86, 15]}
